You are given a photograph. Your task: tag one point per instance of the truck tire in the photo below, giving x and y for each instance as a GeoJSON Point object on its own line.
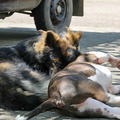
{"type": "Point", "coordinates": [53, 15]}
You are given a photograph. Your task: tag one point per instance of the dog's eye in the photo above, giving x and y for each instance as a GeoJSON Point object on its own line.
{"type": "Point", "coordinates": [57, 64]}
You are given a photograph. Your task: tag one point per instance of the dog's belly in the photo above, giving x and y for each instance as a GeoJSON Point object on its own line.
{"type": "Point", "coordinates": [103, 76]}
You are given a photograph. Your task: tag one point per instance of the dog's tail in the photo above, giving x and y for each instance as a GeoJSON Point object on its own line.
{"type": "Point", "coordinates": [45, 106]}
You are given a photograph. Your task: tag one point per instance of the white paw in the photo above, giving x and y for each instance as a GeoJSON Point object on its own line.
{"type": "Point", "coordinates": [20, 118]}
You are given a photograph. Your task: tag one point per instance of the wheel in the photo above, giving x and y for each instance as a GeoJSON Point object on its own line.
{"type": "Point", "coordinates": [53, 15]}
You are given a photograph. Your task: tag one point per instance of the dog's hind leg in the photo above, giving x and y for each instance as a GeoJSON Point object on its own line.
{"type": "Point", "coordinates": [113, 99]}
{"type": "Point", "coordinates": [95, 108]}
{"type": "Point", "coordinates": [114, 89]}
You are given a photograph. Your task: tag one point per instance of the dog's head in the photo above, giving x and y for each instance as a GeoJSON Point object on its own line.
{"type": "Point", "coordinates": [57, 52]}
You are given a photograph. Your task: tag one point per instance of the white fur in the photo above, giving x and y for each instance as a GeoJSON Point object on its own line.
{"type": "Point", "coordinates": [41, 88]}
{"type": "Point", "coordinates": [103, 76]}
{"type": "Point", "coordinates": [93, 105]}
{"type": "Point", "coordinates": [44, 87]}
{"type": "Point", "coordinates": [114, 99]}
{"type": "Point", "coordinates": [20, 118]}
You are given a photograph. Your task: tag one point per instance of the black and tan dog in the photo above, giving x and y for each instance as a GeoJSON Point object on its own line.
{"type": "Point", "coordinates": [26, 68]}
{"type": "Point", "coordinates": [82, 88]}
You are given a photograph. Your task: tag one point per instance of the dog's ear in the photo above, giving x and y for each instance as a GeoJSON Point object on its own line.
{"type": "Point", "coordinates": [40, 32]}
{"type": "Point", "coordinates": [44, 33]}
{"type": "Point", "coordinates": [74, 37]}
{"type": "Point", "coordinates": [48, 38]}
{"type": "Point", "coordinates": [39, 46]}
{"type": "Point", "coordinates": [52, 39]}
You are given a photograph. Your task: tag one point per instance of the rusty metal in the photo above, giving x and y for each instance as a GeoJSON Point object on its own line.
{"type": "Point", "coordinates": [17, 5]}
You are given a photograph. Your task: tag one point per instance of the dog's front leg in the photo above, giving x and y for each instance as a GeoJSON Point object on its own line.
{"type": "Point", "coordinates": [106, 57]}
{"type": "Point", "coordinates": [95, 108]}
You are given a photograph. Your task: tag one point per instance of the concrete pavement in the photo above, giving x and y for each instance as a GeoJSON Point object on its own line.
{"type": "Point", "coordinates": [101, 34]}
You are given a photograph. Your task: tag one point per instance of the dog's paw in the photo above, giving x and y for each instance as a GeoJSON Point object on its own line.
{"type": "Point", "coordinates": [115, 62]}
{"type": "Point", "coordinates": [21, 118]}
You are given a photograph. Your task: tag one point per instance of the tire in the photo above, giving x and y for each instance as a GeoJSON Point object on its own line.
{"type": "Point", "coordinates": [53, 15]}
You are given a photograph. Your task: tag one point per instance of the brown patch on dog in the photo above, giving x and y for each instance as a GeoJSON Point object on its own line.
{"type": "Point", "coordinates": [49, 38]}
{"type": "Point", "coordinates": [54, 40]}
{"type": "Point", "coordinates": [56, 60]}
{"type": "Point", "coordinates": [84, 69]}
{"type": "Point", "coordinates": [39, 46]}
{"type": "Point", "coordinates": [87, 58]}
{"type": "Point", "coordinates": [4, 66]}
{"type": "Point", "coordinates": [63, 45]}
{"type": "Point", "coordinates": [56, 36]}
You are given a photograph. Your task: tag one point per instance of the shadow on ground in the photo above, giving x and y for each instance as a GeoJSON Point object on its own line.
{"type": "Point", "coordinates": [17, 33]}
